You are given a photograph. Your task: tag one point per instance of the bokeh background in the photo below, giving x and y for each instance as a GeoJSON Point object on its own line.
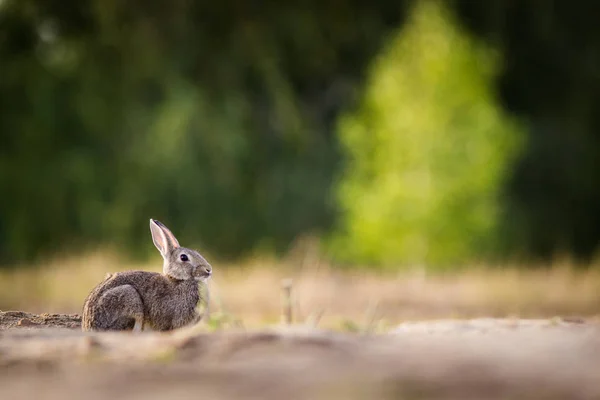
{"type": "Point", "coordinates": [380, 137]}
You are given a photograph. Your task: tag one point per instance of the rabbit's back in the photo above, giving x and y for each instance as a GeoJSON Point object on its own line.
{"type": "Point", "coordinates": [166, 303]}
{"type": "Point", "coordinates": [92, 312]}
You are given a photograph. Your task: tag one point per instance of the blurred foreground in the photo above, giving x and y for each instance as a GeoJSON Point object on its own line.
{"type": "Point", "coordinates": [489, 359]}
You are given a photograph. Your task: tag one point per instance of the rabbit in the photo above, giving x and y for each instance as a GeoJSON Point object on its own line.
{"type": "Point", "coordinates": [142, 300]}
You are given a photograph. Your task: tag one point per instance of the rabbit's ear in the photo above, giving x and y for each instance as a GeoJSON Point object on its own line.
{"type": "Point", "coordinates": [162, 237]}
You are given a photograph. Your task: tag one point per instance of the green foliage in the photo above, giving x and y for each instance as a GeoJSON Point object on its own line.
{"type": "Point", "coordinates": [347, 325]}
{"type": "Point", "coordinates": [428, 150]}
{"type": "Point", "coordinates": [220, 321]}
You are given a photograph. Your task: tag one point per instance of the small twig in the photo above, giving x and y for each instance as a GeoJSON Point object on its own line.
{"type": "Point", "coordinates": [286, 286]}
{"type": "Point", "coordinates": [218, 300]}
{"type": "Point", "coordinates": [314, 318]}
{"type": "Point", "coordinates": [370, 316]}
{"type": "Point", "coordinates": [203, 305]}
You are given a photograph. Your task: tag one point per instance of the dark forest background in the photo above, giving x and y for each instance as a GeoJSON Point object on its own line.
{"type": "Point", "coordinates": [222, 119]}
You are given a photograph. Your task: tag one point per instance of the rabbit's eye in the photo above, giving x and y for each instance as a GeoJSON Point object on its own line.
{"type": "Point", "coordinates": [183, 257]}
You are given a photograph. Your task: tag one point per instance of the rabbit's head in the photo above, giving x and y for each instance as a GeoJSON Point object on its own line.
{"type": "Point", "coordinates": [179, 262]}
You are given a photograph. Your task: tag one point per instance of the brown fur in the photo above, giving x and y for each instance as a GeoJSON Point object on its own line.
{"type": "Point", "coordinates": [149, 300]}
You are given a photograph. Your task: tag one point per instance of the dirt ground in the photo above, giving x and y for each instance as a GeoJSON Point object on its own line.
{"type": "Point", "coordinates": [48, 357]}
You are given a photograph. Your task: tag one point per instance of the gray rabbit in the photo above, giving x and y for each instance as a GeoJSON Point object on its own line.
{"type": "Point", "coordinates": [136, 300]}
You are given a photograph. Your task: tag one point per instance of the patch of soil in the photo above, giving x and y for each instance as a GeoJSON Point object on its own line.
{"type": "Point", "coordinates": [20, 319]}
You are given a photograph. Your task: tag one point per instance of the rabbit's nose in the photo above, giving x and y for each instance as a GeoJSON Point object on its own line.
{"type": "Point", "coordinates": [208, 269]}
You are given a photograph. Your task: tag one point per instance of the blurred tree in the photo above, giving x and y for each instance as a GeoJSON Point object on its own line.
{"type": "Point", "coordinates": [428, 150]}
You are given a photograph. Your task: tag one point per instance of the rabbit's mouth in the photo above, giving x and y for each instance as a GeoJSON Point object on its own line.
{"type": "Point", "coordinates": [203, 278]}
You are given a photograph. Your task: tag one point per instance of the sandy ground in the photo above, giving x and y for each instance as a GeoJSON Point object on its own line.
{"type": "Point", "coordinates": [48, 357]}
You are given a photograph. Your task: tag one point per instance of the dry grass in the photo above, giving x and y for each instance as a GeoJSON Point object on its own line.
{"type": "Point", "coordinates": [252, 293]}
